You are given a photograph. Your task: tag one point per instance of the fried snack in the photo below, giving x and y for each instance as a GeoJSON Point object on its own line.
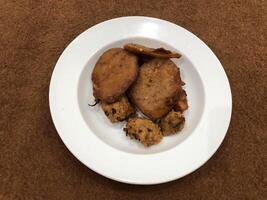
{"type": "Point", "coordinates": [143, 130]}
{"type": "Point", "coordinates": [114, 72]}
{"type": "Point", "coordinates": [157, 53]}
{"type": "Point", "coordinates": [181, 105]}
{"type": "Point", "coordinates": [172, 123]}
{"type": "Point", "coordinates": [157, 87]}
{"type": "Point", "coordinates": [118, 111]}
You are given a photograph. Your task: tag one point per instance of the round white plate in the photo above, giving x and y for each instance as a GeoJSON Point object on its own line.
{"type": "Point", "coordinates": [102, 146]}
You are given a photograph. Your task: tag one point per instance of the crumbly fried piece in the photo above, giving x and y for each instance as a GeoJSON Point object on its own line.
{"type": "Point", "coordinates": [181, 105]}
{"type": "Point", "coordinates": [172, 123]}
{"type": "Point", "coordinates": [157, 53]}
{"type": "Point", "coordinates": [118, 111]}
{"type": "Point", "coordinates": [156, 88]}
{"type": "Point", "coordinates": [114, 72]}
{"type": "Point", "coordinates": [143, 130]}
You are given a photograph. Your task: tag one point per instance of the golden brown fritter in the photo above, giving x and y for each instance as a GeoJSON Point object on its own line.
{"type": "Point", "coordinates": [114, 72]}
{"type": "Point", "coordinates": [157, 87]}
{"type": "Point", "coordinates": [172, 123]}
{"type": "Point", "coordinates": [157, 53]}
{"type": "Point", "coordinates": [118, 111]}
{"type": "Point", "coordinates": [182, 104]}
{"type": "Point", "coordinates": [143, 130]}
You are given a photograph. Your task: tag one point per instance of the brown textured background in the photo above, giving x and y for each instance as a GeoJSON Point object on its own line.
{"type": "Point", "coordinates": [35, 164]}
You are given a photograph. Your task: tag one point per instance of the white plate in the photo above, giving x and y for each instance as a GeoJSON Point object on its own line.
{"type": "Point", "coordinates": [102, 146]}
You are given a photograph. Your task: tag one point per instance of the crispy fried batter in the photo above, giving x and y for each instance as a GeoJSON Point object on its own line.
{"type": "Point", "coordinates": [157, 88]}
{"type": "Point", "coordinates": [114, 72]}
{"type": "Point", "coordinates": [172, 123]}
{"type": "Point", "coordinates": [182, 104]}
{"type": "Point", "coordinates": [118, 111]}
{"type": "Point", "coordinates": [143, 130]}
{"type": "Point", "coordinates": [157, 53]}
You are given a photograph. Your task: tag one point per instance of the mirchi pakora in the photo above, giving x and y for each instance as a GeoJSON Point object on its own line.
{"type": "Point", "coordinates": [157, 87]}
{"type": "Point", "coordinates": [113, 73]}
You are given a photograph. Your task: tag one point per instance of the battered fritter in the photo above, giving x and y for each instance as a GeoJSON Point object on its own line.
{"type": "Point", "coordinates": [114, 72]}
{"type": "Point", "coordinates": [181, 105]}
{"type": "Point", "coordinates": [172, 123]}
{"type": "Point", "coordinates": [157, 87]}
{"type": "Point", "coordinates": [157, 53]}
{"type": "Point", "coordinates": [119, 110]}
{"type": "Point", "coordinates": [143, 130]}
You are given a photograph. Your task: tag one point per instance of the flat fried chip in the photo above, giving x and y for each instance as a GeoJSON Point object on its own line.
{"type": "Point", "coordinates": [114, 72]}
{"type": "Point", "coordinates": [157, 53]}
{"type": "Point", "coordinates": [157, 87]}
